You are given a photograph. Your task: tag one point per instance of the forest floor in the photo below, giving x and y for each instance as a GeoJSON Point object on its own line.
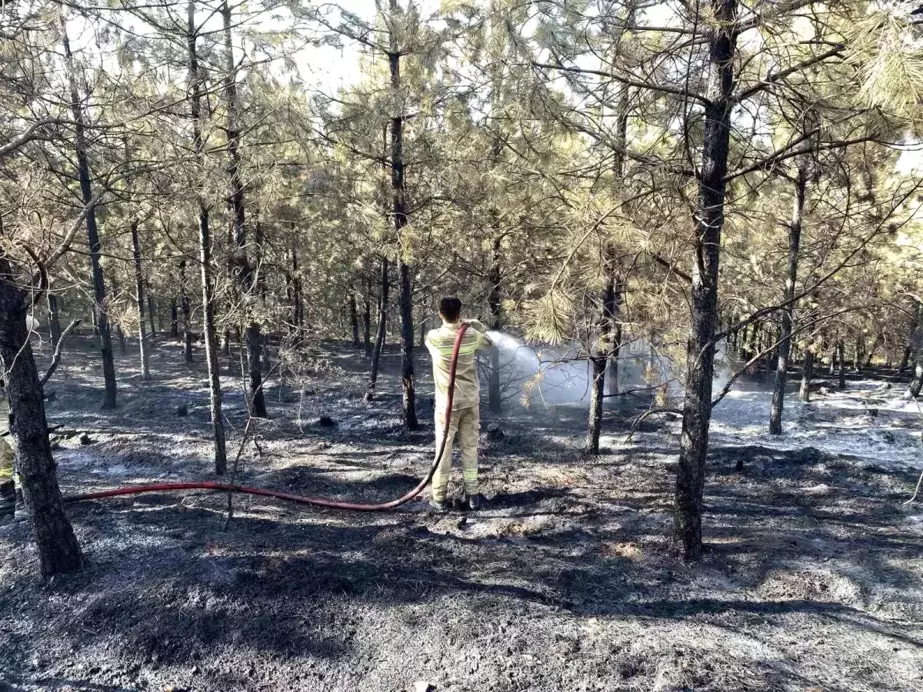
{"type": "Point", "coordinates": [812, 578]}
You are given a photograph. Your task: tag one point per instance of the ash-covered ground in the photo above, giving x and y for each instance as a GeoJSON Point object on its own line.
{"type": "Point", "coordinates": [567, 581]}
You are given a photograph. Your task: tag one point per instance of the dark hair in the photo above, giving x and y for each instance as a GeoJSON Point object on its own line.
{"type": "Point", "coordinates": [450, 308]}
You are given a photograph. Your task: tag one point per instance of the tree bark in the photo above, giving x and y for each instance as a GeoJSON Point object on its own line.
{"type": "Point", "coordinates": [58, 550]}
{"type": "Point", "coordinates": [599, 359]}
{"type": "Point", "coordinates": [380, 335]}
{"type": "Point", "coordinates": [807, 372]}
{"type": "Point", "coordinates": [612, 377]}
{"type": "Point", "coordinates": [788, 312]}
{"type": "Point", "coordinates": [54, 319]}
{"type": "Point", "coordinates": [367, 319]}
{"type": "Point", "coordinates": [841, 362]}
{"type": "Point", "coordinates": [700, 349]}
{"type": "Point", "coordinates": [205, 256]}
{"type": "Point", "coordinates": [101, 310]}
{"type": "Point", "coordinates": [174, 319]}
{"type": "Point", "coordinates": [187, 313]}
{"type": "Point", "coordinates": [354, 318]}
{"type": "Point", "coordinates": [139, 301]}
{"type": "Point", "coordinates": [152, 315]}
{"type": "Point", "coordinates": [399, 212]}
{"type": "Point", "coordinates": [495, 304]}
{"type": "Point", "coordinates": [243, 268]}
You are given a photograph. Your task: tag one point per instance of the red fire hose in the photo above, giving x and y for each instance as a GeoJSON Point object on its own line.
{"type": "Point", "coordinates": [300, 499]}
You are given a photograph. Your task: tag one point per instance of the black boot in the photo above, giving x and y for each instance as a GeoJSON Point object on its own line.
{"type": "Point", "coordinates": [440, 505]}
{"type": "Point", "coordinates": [473, 502]}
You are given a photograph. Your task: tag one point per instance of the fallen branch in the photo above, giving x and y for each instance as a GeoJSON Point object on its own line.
{"type": "Point", "coordinates": [56, 358]}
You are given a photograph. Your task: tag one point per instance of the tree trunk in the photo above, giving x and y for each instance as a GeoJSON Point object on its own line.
{"type": "Point", "coordinates": [54, 319]}
{"type": "Point", "coordinates": [599, 359]}
{"type": "Point", "coordinates": [367, 319]}
{"type": "Point", "coordinates": [139, 301]}
{"type": "Point", "coordinates": [58, 550]}
{"type": "Point", "coordinates": [807, 372]}
{"type": "Point", "coordinates": [399, 212]}
{"type": "Point", "coordinates": [187, 313]}
{"type": "Point", "coordinates": [101, 310]}
{"type": "Point", "coordinates": [871, 352]}
{"type": "Point", "coordinates": [495, 305]}
{"type": "Point", "coordinates": [205, 256]}
{"type": "Point", "coordinates": [612, 378]}
{"type": "Point", "coordinates": [174, 319]}
{"type": "Point", "coordinates": [841, 361]}
{"type": "Point", "coordinates": [151, 312]}
{"type": "Point", "coordinates": [700, 349]}
{"type": "Point", "coordinates": [788, 312]}
{"type": "Point", "coordinates": [120, 337]}
{"type": "Point", "coordinates": [354, 318]}
{"type": "Point", "coordinates": [243, 269]}
{"type": "Point", "coordinates": [380, 335]}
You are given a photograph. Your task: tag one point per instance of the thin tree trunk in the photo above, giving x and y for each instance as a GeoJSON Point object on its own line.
{"type": "Point", "coordinates": [399, 210]}
{"type": "Point", "coordinates": [205, 257]}
{"type": "Point", "coordinates": [58, 550]}
{"type": "Point", "coordinates": [139, 301]}
{"type": "Point", "coordinates": [367, 319]}
{"type": "Point", "coordinates": [788, 312]}
{"type": "Point", "coordinates": [700, 349]}
{"type": "Point", "coordinates": [354, 318]}
{"type": "Point", "coordinates": [174, 319]}
{"type": "Point", "coordinates": [152, 315]}
{"type": "Point", "coordinates": [916, 346]}
{"type": "Point", "coordinates": [243, 270]}
{"type": "Point", "coordinates": [807, 372]}
{"type": "Point", "coordinates": [380, 336]}
{"type": "Point", "coordinates": [871, 352]}
{"type": "Point", "coordinates": [495, 304]}
{"type": "Point", "coordinates": [101, 310]}
{"type": "Point", "coordinates": [54, 319]}
{"type": "Point", "coordinates": [841, 358]}
{"type": "Point", "coordinates": [187, 313]}
{"type": "Point", "coordinates": [599, 359]}
{"type": "Point", "coordinates": [612, 377]}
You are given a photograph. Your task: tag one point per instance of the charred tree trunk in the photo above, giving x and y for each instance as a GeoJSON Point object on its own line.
{"type": "Point", "coordinates": [399, 212]}
{"type": "Point", "coordinates": [700, 349]}
{"type": "Point", "coordinates": [380, 335]}
{"type": "Point", "coordinates": [205, 255]}
{"type": "Point", "coordinates": [186, 307]}
{"type": "Point", "coordinates": [599, 359]}
{"type": "Point", "coordinates": [243, 269]}
{"type": "Point", "coordinates": [612, 378]}
{"type": "Point", "coordinates": [367, 319]}
{"type": "Point", "coordinates": [58, 550]}
{"type": "Point", "coordinates": [871, 352]}
{"type": "Point", "coordinates": [54, 319]}
{"type": "Point", "coordinates": [101, 310]}
{"type": "Point", "coordinates": [139, 301]}
{"type": "Point", "coordinates": [174, 319]}
{"type": "Point", "coordinates": [841, 362]}
{"type": "Point", "coordinates": [354, 318]}
{"type": "Point", "coordinates": [152, 315]}
{"type": "Point", "coordinates": [788, 311]}
{"type": "Point", "coordinates": [495, 304]}
{"type": "Point", "coordinates": [807, 372]}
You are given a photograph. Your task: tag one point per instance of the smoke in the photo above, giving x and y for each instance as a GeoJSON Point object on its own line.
{"type": "Point", "coordinates": [534, 374]}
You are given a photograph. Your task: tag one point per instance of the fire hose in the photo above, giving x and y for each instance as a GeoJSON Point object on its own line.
{"type": "Point", "coordinates": [301, 499]}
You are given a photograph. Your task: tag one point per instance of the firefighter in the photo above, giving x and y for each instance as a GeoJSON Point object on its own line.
{"type": "Point", "coordinates": [7, 487]}
{"type": "Point", "coordinates": [466, 417]}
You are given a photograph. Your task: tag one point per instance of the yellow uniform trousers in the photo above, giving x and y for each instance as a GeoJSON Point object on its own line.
{"type": "Point", "coordinates": [465, 424]}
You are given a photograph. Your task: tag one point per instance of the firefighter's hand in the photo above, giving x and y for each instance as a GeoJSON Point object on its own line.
{"type": "Point", "coordinates": [476, 324]}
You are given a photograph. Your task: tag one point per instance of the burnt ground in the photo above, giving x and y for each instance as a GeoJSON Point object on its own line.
{"type": "Point", "coordinates": [811, 580]}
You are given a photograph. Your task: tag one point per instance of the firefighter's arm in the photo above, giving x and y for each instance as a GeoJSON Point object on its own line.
{"type": "Point", "coordinates": [484, 341]}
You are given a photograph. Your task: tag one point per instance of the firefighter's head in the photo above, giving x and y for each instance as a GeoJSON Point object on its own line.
{"type": "Point", "coordinates": [450, 309]}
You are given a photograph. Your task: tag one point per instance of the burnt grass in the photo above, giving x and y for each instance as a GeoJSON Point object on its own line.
{"type": "Point", "coordinates": [566, 581]}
